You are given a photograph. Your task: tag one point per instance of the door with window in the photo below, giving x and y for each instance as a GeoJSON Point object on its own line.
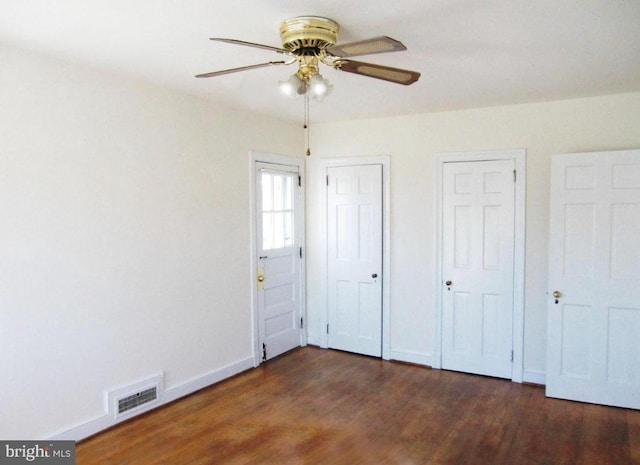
{"type": "Point", "coordinates": [279, 258]}
{"type": "Point", "coordinates": [354, 222]}
{"type": "Point", "coordinates": [593, 325]}
{"type": "Point", "coordinates": [478, 231]}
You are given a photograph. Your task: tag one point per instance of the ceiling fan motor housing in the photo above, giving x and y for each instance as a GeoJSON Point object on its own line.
{"type": "Point", "coordinates": [304, 35]}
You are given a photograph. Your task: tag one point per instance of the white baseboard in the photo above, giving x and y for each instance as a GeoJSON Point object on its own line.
{"type": "Point", "coordinates": [534, 376]}
{"type": "Point", "coordinates": [97, 424]}
{"type": "Point", "coordinates": [207, 379]}
{"type": "Point", "coordinates": [428, 359]}
{"type": "Point", "coordinates": [314, 340]}
{"type": "Point", "coordinates": [398, 355]}
{"type": "Point", "coordinates": [411, 357]}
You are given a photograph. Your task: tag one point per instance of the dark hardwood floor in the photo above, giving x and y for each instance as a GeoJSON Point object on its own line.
{"type": "Point", "coordinates": [315, 406]}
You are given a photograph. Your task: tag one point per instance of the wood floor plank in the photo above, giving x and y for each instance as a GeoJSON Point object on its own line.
{"type": "Point", "coordinates": [633, 422]}
{"type": "Point", "coordinates": [315, 406]}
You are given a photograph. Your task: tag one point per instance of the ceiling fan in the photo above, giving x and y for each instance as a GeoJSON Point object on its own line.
{"type": "Point", "coordinates": [311, 40]}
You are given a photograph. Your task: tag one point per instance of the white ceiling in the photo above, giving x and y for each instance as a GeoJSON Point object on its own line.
{"type": "Point", "coordinates": [471, 53]}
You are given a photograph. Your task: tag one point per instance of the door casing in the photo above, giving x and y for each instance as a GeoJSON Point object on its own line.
{"type": "Point", "coordinates": [264, 157]}
{"type": "Point", "coordinates": [385, 161]}
{"type": "Point", "coordinates": [519, 157]}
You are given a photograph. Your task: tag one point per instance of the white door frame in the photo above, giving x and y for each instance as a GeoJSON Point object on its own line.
{"type": "Point", "coordinates": [385, 161]}
{"type": "Point", "coordinates": [264, 157]}
{"type": "Point", "coordinates": [519, 158]}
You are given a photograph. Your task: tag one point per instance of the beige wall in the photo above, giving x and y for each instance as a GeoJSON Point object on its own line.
{"type": "Point", "coordinates": [543, 129]}
{"type": "Point", "coordinates": [124, 245]}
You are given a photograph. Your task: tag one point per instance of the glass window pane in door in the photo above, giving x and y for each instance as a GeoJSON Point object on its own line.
{"type": "Point", "coordinates": [278, 228]}
{"type": "Point", "coordinates": [267, 192]}
{"type": "Point", "coordinates": [277, 193]}
{"type": "Point", "coordinates": [288, 193]}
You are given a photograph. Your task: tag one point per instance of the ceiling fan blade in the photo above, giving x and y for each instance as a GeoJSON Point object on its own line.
{"type": "Point", "coordinates": [381, 44]}
{"type": "Point", "coordinates": [251, 44]}
{"type": "Point", "coordinates": [386, 73]}
{"type": "Point", "coordinates": [242, 68]}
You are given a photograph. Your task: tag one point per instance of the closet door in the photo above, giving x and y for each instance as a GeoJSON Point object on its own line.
{"type": "Point", "coordinates": [594, 279]}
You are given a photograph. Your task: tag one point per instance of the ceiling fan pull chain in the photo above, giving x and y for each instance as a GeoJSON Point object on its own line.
{"type": "Point", "coordinates": [307, 129]}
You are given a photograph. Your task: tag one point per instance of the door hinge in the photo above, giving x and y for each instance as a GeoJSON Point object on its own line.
{"type": "Point", "coordinates": [514, 175]}
{"type": "Point", "coordinates": [299, 181]}
{"type": "Point", "coordinates": [300, 252]}
{"type": "Point", "coordinates": [327, 180]}
{"type": "Point", "coordinates": [512, 356]}
{"type": "Point", "coordinates": [264, 352]}
{"type": "Point", "coordinates": [327, 328]}
{"type": "Point", "coordinates": [301, 322]}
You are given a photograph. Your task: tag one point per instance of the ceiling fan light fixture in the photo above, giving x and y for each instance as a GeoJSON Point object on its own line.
{"type": "Point", "coordinates": [319, 87]}
{"type": "Point", "coordinates": [293, 86]}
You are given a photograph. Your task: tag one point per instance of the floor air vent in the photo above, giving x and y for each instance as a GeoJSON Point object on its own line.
{"type": "Point", "coordinates": [134, 397]}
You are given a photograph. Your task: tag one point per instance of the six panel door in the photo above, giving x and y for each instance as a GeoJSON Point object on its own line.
{"type": "Point", "coordinates": [478, 229]}
{"type": "Point", "coordinates": [354, 211]}
{"type": "Point", "coordinates": [593, 316]}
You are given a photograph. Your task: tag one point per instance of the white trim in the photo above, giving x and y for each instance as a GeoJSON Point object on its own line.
{"type": "Point", "coordinates": [314, 340]}
{"type": "Point", "coordinates": [385, 161]}
{"type": "Point", "coordinates": [520, 157]}
{"type": "Point", "coordinates": [102, 422]}
{"type": "Point", "coordinates": [299, 162]}
{"type": "Point", "coordinates": [534, 377]}
{"type": "Point", "coordinates": [412, 357]}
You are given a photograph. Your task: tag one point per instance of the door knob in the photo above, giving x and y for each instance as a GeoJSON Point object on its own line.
{"type": "Point", "coordinates": [448, 283]}
{"type": "Point", "coordinates": [374, 275]}
{"type": "Point", "coordinates": [557, 294]}
{"type": "Point", "coordinates": [260, 278]}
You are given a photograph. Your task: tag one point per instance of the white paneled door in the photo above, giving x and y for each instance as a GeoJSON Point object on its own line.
{"type": "Point", "coordinates": [593, 325]}
{"type": "Point", "coordinates": [354, 219]}
{"type": "Point", "coordinates": [278, 220]}
{"type": "Point", "coordinates": [478, 230]}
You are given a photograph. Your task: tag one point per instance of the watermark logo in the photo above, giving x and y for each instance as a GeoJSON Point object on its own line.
{"type": "Point", "coordinates": [38, 452]}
